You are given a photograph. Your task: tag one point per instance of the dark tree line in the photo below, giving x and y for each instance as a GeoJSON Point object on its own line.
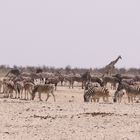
{"type": "Point", "coordinates": [68, 69]}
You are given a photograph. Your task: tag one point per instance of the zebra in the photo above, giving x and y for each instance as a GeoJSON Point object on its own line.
{"type": "Point", "coordinates": [128, 81]}
{"type": "Point", "coordinates": [95, 93]}
{"type": "Point", "coordinates": [90, 84]}
{"type": "Point", "coordinates": [19, 85]}
{"type": "Point", "coordinates": [112, 80]}
{"type": "Point", "coordinates": [46, 88]}
{"type": "Point", "coordinates": [93, 79]}
{"type": "Point", "coordinates": [28, 87]}
{"type": "Point", "coordinates": [61, 77]}
{"type": "Point", "coordinates": [118, 95]}
{"type": "Point", "coordinates": [98, 80]}
{"type": "Point", "coordinates": [53, 80]}
{"type": "Point", "coordinates": [70, 79]}
{"type": "Point", "coordinates": [131, 91]}
{"type": "Point", "coordinates": [8, 88]}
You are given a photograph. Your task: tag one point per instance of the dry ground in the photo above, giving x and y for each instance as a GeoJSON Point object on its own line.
{"type": "Point", "coordinates": [68, 118]}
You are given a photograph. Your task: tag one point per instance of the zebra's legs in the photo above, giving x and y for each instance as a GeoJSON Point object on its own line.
{"type": "Point", "coordinates": [29, 94]}
{"type": "Point", "coordinates": [119, 99]}
{"type": "Point", "coordinates": [131, 99]}
{"type": "Point", "coordinates": [97, 99]}
{"type": "Point", "coordinates": [16, 95]}
{"type": "Point", "coordinates": [83, 84]}
{"type": "Point", "coordinates": [26, 95]}
{"type": "Point", "coordinates": [21, 94]}
{"type": "Point", "coordinates": [128, 99]}
{"type": "Point", "coordinates": [10, 94]}
{"type": "Point", "coordinates": [53, 96]}
{"type": "Point", "coordinates": [105, 99]}
{"type": "Point", "coordinates": [47, 97]}
{"type": "Point", "coordinates": [72, 84]}
{"type": "Point", "coordinates": [40, 96]}
{"type": "Point", "coordinates": [55, 86]}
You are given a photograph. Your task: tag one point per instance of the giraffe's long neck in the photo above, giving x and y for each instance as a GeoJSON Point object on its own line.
{"type": "Point", "coordinates": [115, 61]}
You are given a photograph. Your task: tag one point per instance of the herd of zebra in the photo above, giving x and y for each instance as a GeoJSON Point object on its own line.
{"type": "Point", "coordinates": [121, 84]}
{"type": "Point", "coordinates": [26, 85]}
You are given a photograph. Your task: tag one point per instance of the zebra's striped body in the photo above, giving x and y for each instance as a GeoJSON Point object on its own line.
{"type": "Point", "coordinates": [112, 80]}
{"type": "Point", "coordinates": [46, 88]}
{"type": "Point", "coordinates": [95, 93]}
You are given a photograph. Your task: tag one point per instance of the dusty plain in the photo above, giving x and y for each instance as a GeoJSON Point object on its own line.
{"type": "Point", "coordinates": [69, 118]}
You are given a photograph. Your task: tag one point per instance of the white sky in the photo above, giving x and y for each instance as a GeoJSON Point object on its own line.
{"type": "Point", "coordinates": [80, 33]}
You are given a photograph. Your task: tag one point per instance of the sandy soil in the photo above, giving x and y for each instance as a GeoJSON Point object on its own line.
{"type": "Point", "coordinates": [68, 118]}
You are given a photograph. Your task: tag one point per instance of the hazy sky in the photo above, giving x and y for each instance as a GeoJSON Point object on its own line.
{"type": "Point", "coordinates": [80, 33]}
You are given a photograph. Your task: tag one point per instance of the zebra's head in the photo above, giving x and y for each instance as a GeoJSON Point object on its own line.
{"type": "Point", "coordinates": [86, 99]}
{"type": "Point", "coordinates": [88, 85]}
{"type": "Point", "coordinates": [101, 82]}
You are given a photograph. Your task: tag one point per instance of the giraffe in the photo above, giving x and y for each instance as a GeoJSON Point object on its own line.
{"type": "Point", "coordinates": [111, 66]}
